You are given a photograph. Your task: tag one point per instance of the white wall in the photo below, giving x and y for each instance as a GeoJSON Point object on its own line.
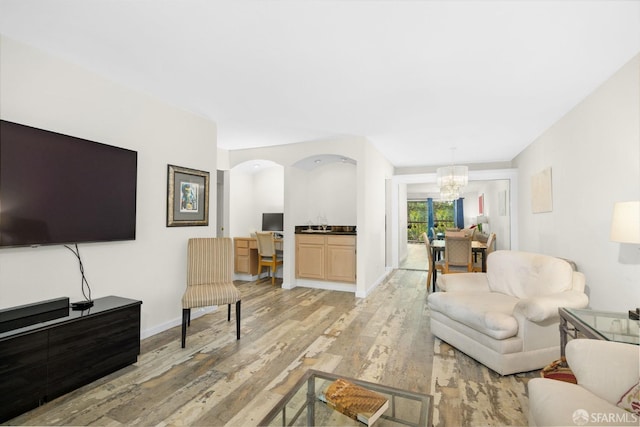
{"type": "Point", "coordinates": [594, 154]}
{"type": "Point", "coordinates": [372, 190]}
{"type": "Point", "coordinates": [241, 211]}
{"type": "Point", "coordinates": [403, 223]}
{"type": "Point", "coordinates": [330, 191]}
{"type": "Point", "coordinates": [46, 92]}
{"type": "Point", "coordinates": [251, 194]}
{"type": "Point", "coordinates": [499, 219]}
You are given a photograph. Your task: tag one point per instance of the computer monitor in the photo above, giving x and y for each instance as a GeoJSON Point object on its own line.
{"type": "Point", "coordinates": [273, 222]}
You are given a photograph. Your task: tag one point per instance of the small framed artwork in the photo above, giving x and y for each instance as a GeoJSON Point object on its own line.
{"type": "Point", "coordinates": [541, 192]}
{"type": "Point", "coordinates": [481, 204]}
{"type": "Point", "coordinates": [187, 197]}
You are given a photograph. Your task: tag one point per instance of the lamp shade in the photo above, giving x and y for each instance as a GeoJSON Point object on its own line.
{"type": "Point", "coordinates": [482, 220]}
{"type": "Point", "coordinates": [625, 224]}
{"type": "Point", "coordinates": [452, 176]}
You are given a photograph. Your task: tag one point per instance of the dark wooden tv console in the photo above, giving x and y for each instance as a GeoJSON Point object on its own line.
{"type": "Point", "coordinates": [42, 361]}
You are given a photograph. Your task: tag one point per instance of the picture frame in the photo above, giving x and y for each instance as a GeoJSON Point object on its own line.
{"type": "Point", "coordinates": [187, 197]}
{"type": "Point", "coordinates": [541, 192]}
{"type": "Point", "coordinates": [481, 204]}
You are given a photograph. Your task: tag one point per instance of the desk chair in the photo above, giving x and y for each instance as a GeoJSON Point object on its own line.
{"type": "Point", "coordinates": [209, 279]}
{"type": "Point", "coordinates": [268, 256]}
{"type": "Point", "coordinates": [439, 265]}
{"type": "Point", "coordinates": [457, 254]}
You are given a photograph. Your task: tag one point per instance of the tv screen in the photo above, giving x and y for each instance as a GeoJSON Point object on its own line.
{"type": "Point", "coordinates": [57, 189]}
{"type": "Point", "coordinates": [272, 221]}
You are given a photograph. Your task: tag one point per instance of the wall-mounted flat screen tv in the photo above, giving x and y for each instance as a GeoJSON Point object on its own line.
{"type": "Point", "coordinates": [58, 189]}
{"type": "Point", "coordinates": [272, 221]}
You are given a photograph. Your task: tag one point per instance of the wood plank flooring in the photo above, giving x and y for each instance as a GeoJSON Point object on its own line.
{"type": "Point", "coordinates": [217, 380]}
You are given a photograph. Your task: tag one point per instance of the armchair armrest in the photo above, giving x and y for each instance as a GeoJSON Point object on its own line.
{"type": "Point", "coordinates": [537, 309]}
{"type": "Point", "coordinates": [463, 282]}
{"type": "Point", "coordinates": [607, 369]}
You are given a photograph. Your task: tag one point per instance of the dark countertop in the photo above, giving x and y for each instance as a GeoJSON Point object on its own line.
{"type": "Point", "coordinates": [331, 230]}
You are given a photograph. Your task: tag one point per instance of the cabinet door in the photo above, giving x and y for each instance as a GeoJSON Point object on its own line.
{"type": "Point", "coordinates": [241, 256]}
{"type": "Point", "coordinates": [87, 349]}
{"type": "Point", "coordinates": [242, 260]}
{"type": "Point", "coordinates": [310, 261]}
{"type": "Point", "coordinates": [23, 374]}
{"type": "Point", "coordinates": [341, 263]}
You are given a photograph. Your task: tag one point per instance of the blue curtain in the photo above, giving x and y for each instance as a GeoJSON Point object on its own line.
{"type": "Point", "coordinates": [430, 218]}
{"type": "Point", "coordinates": [458, 213]}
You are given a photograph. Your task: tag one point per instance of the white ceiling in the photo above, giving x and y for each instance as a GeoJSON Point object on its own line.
{"type": "Point", "coordinates": [416, 78]}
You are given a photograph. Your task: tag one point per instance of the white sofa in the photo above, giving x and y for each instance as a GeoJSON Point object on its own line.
{"type": "Point", "coordinates": [606, 372]}
{"type": "Point", "coordinates": [507, 318]}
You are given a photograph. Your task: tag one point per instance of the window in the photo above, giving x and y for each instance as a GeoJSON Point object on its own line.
{"type": "Point", "coordinates": [418, 215]}
{"type": "Point", "coordinates": [416, 219]}
{"type": "Point", "coordinates": [442, 216]}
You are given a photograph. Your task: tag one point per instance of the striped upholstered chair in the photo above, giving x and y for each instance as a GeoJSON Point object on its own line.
{"type": "Point", "coordinates": [209, 279]}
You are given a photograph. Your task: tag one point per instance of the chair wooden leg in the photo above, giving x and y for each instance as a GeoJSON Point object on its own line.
{"type": "Point", "coordinates": [228, 312]}
{"type": "Point", "coordinates": [273, 275]}
{"type": "Point", "coordinates": [237, 319]}
{"type": "Point", "coordinates": [186, 319]}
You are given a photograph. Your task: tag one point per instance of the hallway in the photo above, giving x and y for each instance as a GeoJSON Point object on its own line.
{"type": "Point", "coordinates": [417, 257]}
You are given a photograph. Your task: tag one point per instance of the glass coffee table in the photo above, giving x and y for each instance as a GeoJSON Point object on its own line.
{"type": "Point", "coordinates": [600, 325]}
{"type": "Point", "coordinates": [301, 406]}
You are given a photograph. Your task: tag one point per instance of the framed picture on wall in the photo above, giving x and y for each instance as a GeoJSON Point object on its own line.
{"type": "Point", "coordinates": [481, 204]}
{"type": "Point", "coordinates": [187, 197]}
{"type": "Point", "coordinates": [541, 194]}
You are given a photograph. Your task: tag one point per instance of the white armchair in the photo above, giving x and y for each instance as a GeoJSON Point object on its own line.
{"type": "Point", "coordinates": [606, 372]}
{"type": "Point", "coordinates": [507, 318]}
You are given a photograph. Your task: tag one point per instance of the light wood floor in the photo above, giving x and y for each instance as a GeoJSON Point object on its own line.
{"type": "Point", "coordinates": [417, 257]}
{"type": "Point", "coordinates": [219, 381]}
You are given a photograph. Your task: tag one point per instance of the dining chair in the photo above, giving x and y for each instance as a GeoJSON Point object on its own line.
{"type": "Point", "coordinates": [491, 245]}
{"type": "Point", "coordinates": [268, 256]}
{"type": "Point", "coordinates": [439, 265]}
{"type": "Point", "coordinates": [209, 279]}
{"type": "Point", "coordinates": [457, 254]}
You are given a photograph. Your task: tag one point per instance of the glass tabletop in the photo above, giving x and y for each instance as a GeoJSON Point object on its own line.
{"type": "Point", "coordinates": [302, 407]}
{"type": "Point", "coordinates": [611, 326]}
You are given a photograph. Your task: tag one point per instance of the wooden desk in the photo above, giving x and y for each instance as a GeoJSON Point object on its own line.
{"type": "Point", "coordinates": [438, 247]}
{"type": "Point", "coordinates": [245, 254]}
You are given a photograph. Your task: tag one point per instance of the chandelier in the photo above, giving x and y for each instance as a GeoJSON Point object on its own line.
{"type": "Point", "coordinates": [452, 179]}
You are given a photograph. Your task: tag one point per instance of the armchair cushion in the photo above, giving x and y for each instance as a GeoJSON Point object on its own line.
{"type": "Point", "coordinates": [463, 282]}
{"type": "Point", "coordinates": [488, 312]}
{"type": "Point", "coordinates": [525, 274]}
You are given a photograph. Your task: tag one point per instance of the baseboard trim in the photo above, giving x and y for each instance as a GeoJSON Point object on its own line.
{"type": "Point", "coordinates": [195, 313]}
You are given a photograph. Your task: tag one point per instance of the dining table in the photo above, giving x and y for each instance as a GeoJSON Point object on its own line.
{"type": "Point", "coordinates": [437, 249]}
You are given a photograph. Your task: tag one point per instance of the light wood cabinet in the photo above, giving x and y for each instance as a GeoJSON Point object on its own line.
{"type": "Point", "coordinates": [245, 255]}
{"type": "Point", "coordinates": [326, 257]}
{"type": "Point", "coordinates": [310, 260]}
{"type": "Point", "coordinates": [341, 258]}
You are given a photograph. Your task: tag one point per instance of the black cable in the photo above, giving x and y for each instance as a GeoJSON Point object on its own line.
{"type": "Point", "coordinates": [84, 279]}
